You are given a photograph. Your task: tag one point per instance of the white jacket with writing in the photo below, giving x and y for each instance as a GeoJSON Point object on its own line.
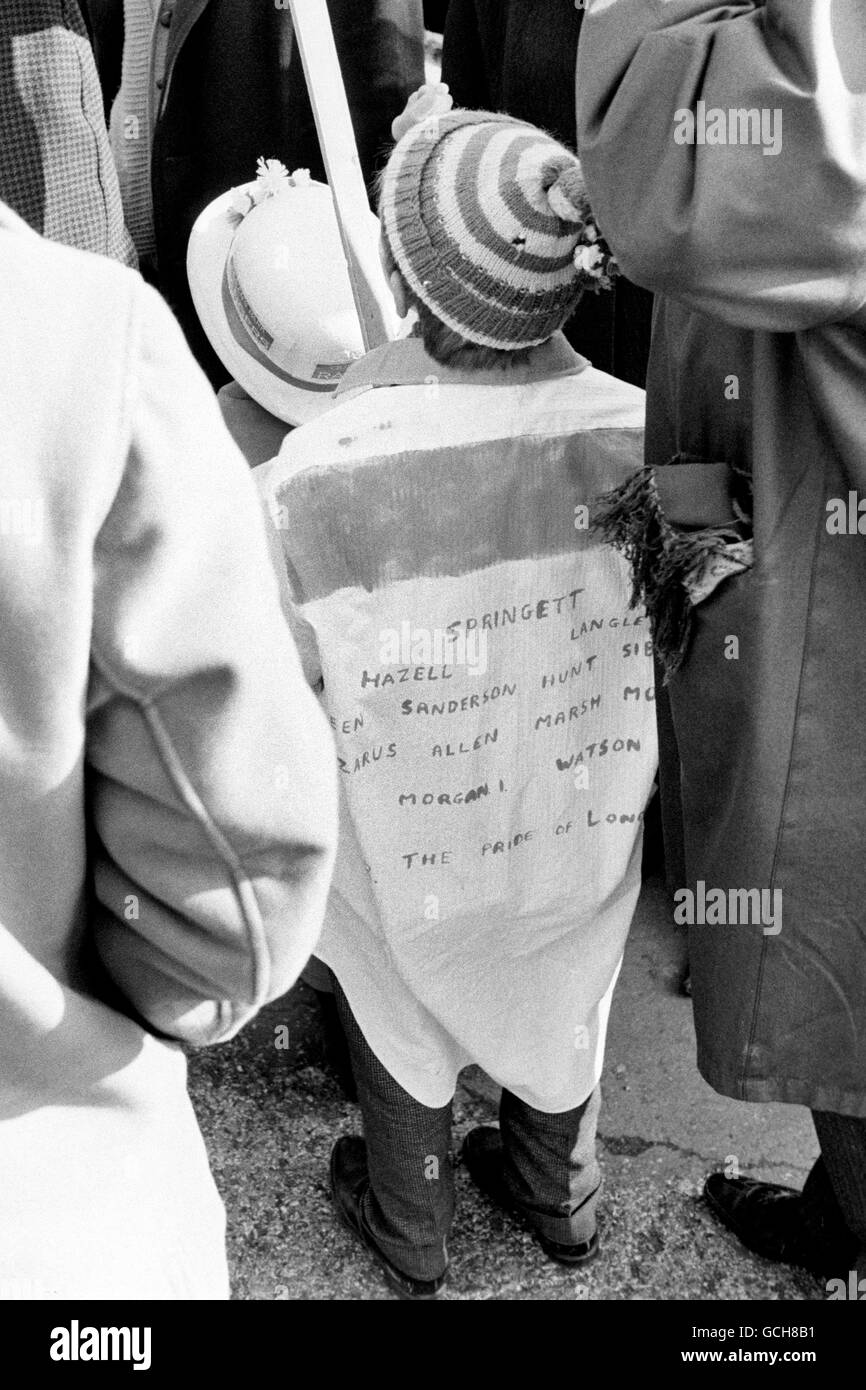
{"type": "Point", "coordinates": [491, 695]}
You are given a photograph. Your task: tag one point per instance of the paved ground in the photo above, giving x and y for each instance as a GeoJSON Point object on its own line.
{"type": "Point", "coordinates": [271, 1113]}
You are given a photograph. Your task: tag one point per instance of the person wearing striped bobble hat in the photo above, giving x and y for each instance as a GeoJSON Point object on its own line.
{"type": "Point", "coordinates": [439, 568]}
{"type": "Point", "coordinates": [486, 222]}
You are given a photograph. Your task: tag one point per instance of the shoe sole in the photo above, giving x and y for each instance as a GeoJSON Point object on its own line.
{"type": "Point", "coordinates": [572, 1261]}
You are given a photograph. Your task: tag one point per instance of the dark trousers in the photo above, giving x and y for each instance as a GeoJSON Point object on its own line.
{"type": "Point", "coordinates": [835, 1190]}
{"type": "Point", "coordinates": [551, 1169]}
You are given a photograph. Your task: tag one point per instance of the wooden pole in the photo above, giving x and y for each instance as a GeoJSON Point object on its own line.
{"type": "Point", "coordinates": [315, 39]}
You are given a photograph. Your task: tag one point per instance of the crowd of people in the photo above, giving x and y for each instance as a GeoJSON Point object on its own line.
{"type": "Point", "coordinates": [368, 664]}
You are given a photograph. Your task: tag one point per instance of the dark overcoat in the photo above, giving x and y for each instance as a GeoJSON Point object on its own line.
{"type": "Point", "coordinates": [758, 364]}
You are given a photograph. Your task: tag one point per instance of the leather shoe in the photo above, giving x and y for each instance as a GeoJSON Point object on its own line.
{"type": "Point", "coordinates": [769, 1220]}
{"type": "Point", "coordinates": [484, 1157]}
{"type": "Point", "coordinates": [349, 1185]}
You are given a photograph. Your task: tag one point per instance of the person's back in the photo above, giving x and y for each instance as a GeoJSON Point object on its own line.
{"type": "Point", "coordinates": [157, 880]}
{"type": "Point", "coordinates": [491, 701]}
{"type": "Point", "coordinates": [490, 692]}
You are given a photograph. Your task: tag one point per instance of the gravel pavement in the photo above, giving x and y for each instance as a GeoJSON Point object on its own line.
{"type": "Point", "coordinates": [270, 1113]}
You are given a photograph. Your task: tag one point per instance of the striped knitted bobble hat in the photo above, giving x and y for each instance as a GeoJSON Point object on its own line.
{"type": "Point", "coordinates": [482, 215]}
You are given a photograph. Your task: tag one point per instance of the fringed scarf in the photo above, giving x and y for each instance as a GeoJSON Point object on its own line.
{"type": "Point", "coordinates": [673, 568]}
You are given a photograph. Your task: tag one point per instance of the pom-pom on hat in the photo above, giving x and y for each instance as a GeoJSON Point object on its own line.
{"type": "Point", "coordinates": [485, 217]}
